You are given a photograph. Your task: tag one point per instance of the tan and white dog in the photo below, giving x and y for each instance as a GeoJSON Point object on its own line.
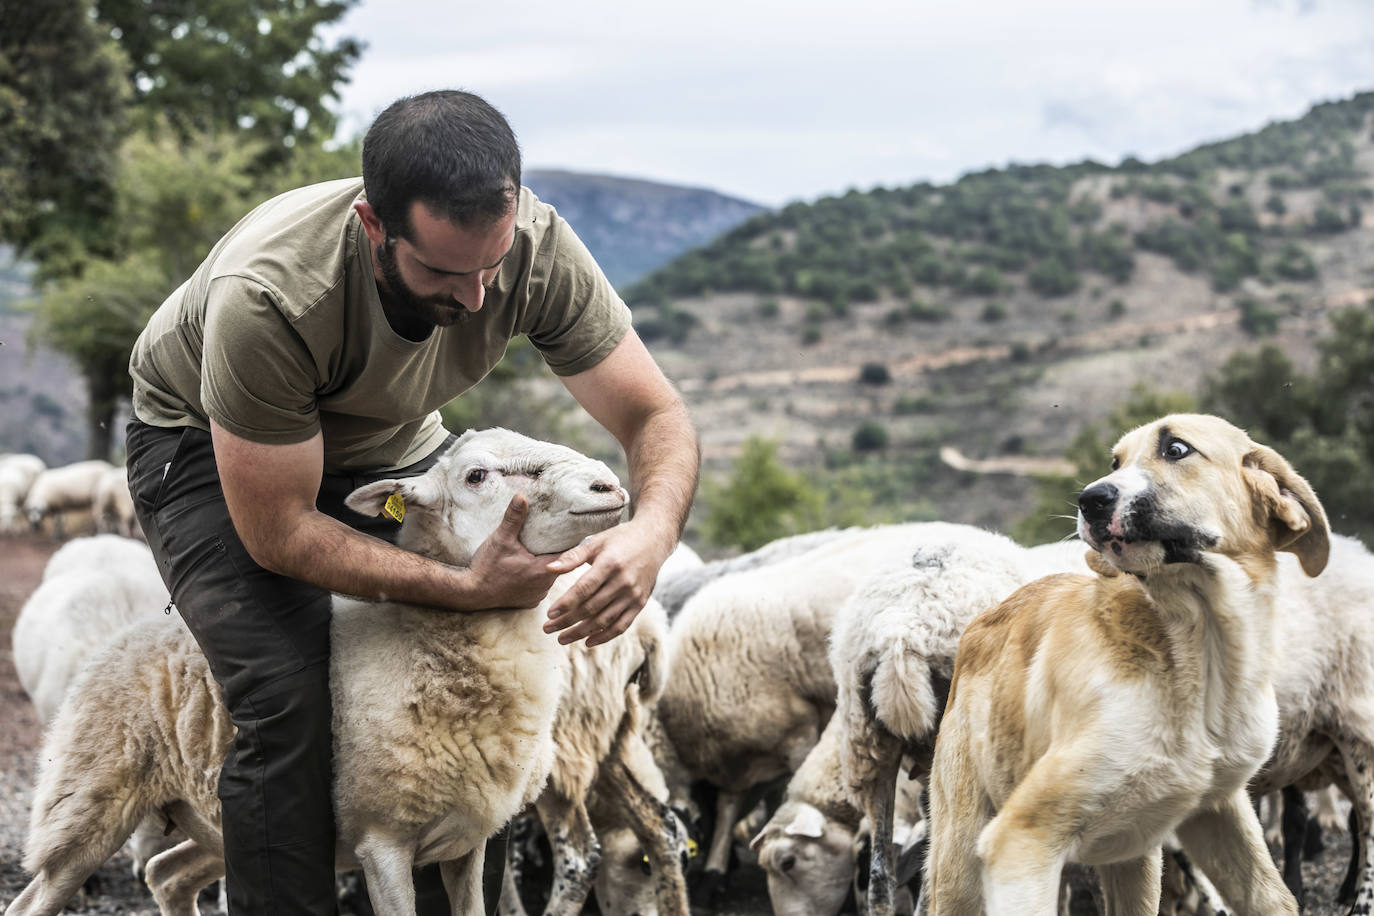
{"type": "Point", "coordinates": [1090, 716]}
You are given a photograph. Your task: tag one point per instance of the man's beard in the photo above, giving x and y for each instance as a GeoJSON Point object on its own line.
{"type": "Point", "coordinates": [418, 313]}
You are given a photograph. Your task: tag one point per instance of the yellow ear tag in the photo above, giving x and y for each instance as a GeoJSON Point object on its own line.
{"type": "Point", "coordinates": [395, 507]}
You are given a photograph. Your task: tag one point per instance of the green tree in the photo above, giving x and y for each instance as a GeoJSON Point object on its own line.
{"type": "Point", "coordinates": [257, 66]}
{"type": "Point", "coordinates": [1323, 423]}
{"type": "Point", "coordinates": [62, 106]}
{"type": "Point", "coordinates": [760, 502]}
{"type": "Point", "coordinates": [1056, 509]}
{"type": "Point", "coordinates": [173, 201]}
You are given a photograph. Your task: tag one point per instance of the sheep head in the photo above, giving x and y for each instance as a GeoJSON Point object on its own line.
{"type": "Point", "coordinates": [455, 505]}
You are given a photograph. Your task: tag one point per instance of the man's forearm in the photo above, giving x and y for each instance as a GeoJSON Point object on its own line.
{"type": "Point", "coordinates": [664, 460]}
{"type": "Point", "coordinates": [322, 551]}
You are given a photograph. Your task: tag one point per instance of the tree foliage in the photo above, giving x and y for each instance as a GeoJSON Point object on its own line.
{"type": "Point", "coordinates": [257, 66]}
{"type": "Point", "coordinates": [1322, 423]}
{"type": "Point", "coordinates": [62, 107]}
{"type": "Point", "coordinates": [760, 502]}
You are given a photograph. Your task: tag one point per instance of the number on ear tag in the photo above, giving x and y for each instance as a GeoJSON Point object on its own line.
{"type": "Point", "coordinates": [395, 507]}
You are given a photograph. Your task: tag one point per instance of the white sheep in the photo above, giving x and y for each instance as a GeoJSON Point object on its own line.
{"type": "Point", "coordinates": [893, 651]}
{"type": "Point", "coordinates": [751, 686]}
{"type": "Point", "coordinates": [91, 589]}
{"type": "Point", "coordinates": [601, 766]}
{"type": "Point", "coordinates": [57, 491]}
{"type": "Point", "coordinates": [404, 794]}
{"type": "Point", "coordinates": [17, 474]}
{"type": "Point", "coordinates": [112, 505]}
{"type": "Point", "coordinates": [678, 583]}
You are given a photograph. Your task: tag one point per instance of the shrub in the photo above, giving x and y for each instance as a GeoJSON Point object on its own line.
{"type": "Point", "coordinates": [875, 374]}
{"type": "Point", "coordinates": [994, 311]}
{"type": "Point", "coordinates": [871, 436]}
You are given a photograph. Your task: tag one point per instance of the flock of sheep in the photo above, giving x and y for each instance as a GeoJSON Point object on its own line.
{"type": "Point", "coordinates": [781, 706]}
{"type": "Point", "coordinates": [31, 491]}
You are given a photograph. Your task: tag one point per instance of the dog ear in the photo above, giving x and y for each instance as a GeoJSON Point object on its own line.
{"type": "Point", "coordinates": [1098, 564]}
{"type": "Point", "coordinates": [1297, 521]}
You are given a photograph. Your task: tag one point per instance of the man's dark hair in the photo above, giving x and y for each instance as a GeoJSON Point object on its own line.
{"type": "Point", "coordinates": [448, 149]}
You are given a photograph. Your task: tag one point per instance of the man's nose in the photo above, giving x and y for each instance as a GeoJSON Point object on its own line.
{"type": "Point", "coordinates": [470, 294]}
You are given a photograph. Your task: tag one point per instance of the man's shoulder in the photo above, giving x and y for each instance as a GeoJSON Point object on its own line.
{"type": "Point", "coordinates": [300, 245]}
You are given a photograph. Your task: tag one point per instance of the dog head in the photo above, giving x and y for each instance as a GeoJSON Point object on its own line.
{"type": "Point", "coordinates": [1189, 483]}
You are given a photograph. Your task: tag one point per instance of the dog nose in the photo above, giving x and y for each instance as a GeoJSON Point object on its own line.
{"type": "Point", "coordinates": [1097, 501]}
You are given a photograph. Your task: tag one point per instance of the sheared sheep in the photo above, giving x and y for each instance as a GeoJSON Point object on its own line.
{"type": "Point", "coordinates": [17, 474]}
{"type": "Point", "coordinates": [893, 651]}
{"type": "Point", "coordinates": [751, 686]}
{"type": "Point", "coordinates": [485, 685]}
{"type": "Point", "coordinates": [64, 489]}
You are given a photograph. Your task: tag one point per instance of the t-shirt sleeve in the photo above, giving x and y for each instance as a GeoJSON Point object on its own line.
{"type": "Point", "coordinates": [581, 318]}
{"type": "Point", "coordinates": [258, 379]}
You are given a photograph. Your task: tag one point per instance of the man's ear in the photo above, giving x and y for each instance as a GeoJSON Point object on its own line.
{"type": "Point", "coordinates": [376, 232]}
{"type": "Point", "coordinates": [1297, 521]}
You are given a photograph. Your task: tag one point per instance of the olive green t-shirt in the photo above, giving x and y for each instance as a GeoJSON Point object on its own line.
{"type": "Point", "coordinates": [280, 333]}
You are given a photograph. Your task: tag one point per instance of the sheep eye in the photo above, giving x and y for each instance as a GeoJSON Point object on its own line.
{"type": "Point", "coordinates": [644, 866]}
{"type": "Point", "coordinates": [476, 476]}
{"type": "Point", "coordinates": [1177, 449]}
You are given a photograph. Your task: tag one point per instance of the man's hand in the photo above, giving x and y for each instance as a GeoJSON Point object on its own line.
{"type": "Point", "coordinates": [609, 596]}
{"type": "Point", "coordinates": [504, 571]}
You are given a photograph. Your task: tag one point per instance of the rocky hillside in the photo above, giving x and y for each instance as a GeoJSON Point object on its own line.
{"type": "Point", "coordinates": [633, 227]}
{"type": "Point", "coordinates": [999, 315]}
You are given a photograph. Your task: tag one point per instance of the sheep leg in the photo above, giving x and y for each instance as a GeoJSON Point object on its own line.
{"type": "Point", "coordinates": [386, 866]}
{"type": "Point", "coordinates": [879, 793]}
{"type": "Point", "coordinates": [1293, 827]}
{"type": "Point", "coordinates": [463, 881]}
{"type": "Point", "coordinates": [728, 810]}
{"type": "Point", "coordinates": [177, 875]}
{"type": "Point", "coordinates": [510, 903]}
{"type": "Point", "coordinates": [576, 853]}
{"type": "Point", "coordinates": [1358, 757]}
{"type": "Point", "coordinates": [658, 831]}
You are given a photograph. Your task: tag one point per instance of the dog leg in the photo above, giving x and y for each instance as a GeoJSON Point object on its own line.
{"type": "Point", "coordinates": [1228, 845]}
{"type": "Point", "coordinates": [958, 809]}
{"type": "Point", "coordinates": [1131, 888]}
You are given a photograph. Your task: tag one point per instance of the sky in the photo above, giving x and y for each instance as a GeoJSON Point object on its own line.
{"type": "Point", "coordinates": [775, 102]}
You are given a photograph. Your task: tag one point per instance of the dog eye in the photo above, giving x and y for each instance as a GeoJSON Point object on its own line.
{"type": "Point", "coordinates": [1116, 463]}
{"type": "Point", "coordinates": [1177, 449]}
{"type": "Point", "coordinates": [476, 476]}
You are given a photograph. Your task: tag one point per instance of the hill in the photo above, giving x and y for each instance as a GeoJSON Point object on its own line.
{"type": "Point", "coordinates": [632, 227]}
{"type": "Point", "coordinates": [999, 315]}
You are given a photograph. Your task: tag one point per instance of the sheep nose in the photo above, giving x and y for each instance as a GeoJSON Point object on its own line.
{"type": "Point", "coordinates": [1098, 501]}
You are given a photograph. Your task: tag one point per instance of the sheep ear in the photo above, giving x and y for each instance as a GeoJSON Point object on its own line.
{"type": "Point", "coordinates": [1297, 521]}
{"type": "Point", "coordinates": [757, 841]}
{"type": "Point", "coordinates": [414, 493]}
{"type": "Point", "coordinates": [809, 822]}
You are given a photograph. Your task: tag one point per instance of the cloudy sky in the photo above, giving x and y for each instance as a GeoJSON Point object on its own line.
{"type": "Point", "coordinates": [775, 101]}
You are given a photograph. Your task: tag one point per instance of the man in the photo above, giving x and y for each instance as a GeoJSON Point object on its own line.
{"type": "Point", "coordinates": [307, 355]}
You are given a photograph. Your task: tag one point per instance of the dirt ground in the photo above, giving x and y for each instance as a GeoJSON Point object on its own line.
{"type": "Point", "coordinates": [114, 889]}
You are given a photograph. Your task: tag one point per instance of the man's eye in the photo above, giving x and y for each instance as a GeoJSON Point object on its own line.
{"type": "Point", "coordinates": [476, 476]}
{"type": "Point", "coordinates": [1177, 449]}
